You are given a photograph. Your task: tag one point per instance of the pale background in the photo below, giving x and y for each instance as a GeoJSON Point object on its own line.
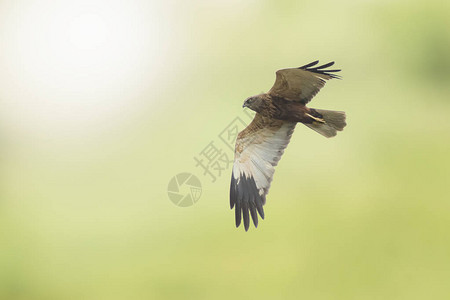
{"type": "Point", "coordinates": [103, 102]}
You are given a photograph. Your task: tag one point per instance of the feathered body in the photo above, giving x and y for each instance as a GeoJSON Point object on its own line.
{"type": "Point", "coordinates": [278, 108]}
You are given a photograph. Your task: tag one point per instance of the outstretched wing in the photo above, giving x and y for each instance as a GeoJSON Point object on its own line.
{"type": "Point", "coordinates": [258, 149]}
{"type": "Point", "coordinates": [301, 84]}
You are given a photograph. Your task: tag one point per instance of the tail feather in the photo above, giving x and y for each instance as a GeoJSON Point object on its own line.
{"type": "Point", "coordinates": [333, 121]}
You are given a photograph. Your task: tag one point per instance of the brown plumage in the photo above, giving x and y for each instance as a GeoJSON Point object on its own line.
{"type": "Point", "coordinates": [259, 146]}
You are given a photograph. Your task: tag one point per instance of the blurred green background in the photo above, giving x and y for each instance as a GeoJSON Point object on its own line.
{"type": "Point", "coordinates": [99, 113]}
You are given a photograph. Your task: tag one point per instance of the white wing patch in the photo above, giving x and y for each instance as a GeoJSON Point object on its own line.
{"type": "Point", "coordinates": [254, 167]}
{"type": "Point", "coordinates": [258, 160]}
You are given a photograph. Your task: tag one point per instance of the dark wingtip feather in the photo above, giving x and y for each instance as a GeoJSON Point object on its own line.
{"type": "Point", "coordinates": [237, 213]}
{"type": "Point", "coordinates": [259, 207]}
{"type": "Point", "coordinates": [325, 65]}
{"type": "Point", "coordinates": [232, 191]}
{"type": "Point", "coordinates": [320, 69]}
{"type": "Point", "coordinates": [254, 214]}
{"type": "Point", "coordinates": [309, 65]}
{"type": "Point", "coordinates": [246, 200]}
{"type": "Point", "coordinates": [245, 215]}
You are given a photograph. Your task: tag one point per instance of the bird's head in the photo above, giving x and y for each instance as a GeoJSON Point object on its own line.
{"type": "Point", "coordinates": [253, 103]}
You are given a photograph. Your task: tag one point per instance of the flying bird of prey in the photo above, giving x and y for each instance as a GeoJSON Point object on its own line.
{"type": "Point", "coordinates": [260, 145]}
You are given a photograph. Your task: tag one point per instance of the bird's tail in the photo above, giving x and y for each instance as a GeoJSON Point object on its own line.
{"type": "Point", "coordinates": [327, 122]}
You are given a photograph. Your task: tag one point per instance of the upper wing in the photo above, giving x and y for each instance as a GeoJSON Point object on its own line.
{"type": "Point", "coordinates": [301, 84]}
{"type": "Point", "coordinates": [258, 149]}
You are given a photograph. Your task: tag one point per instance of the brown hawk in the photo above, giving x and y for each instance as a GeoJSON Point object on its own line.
{"type": "Point", "coordinates": [260, 145]}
